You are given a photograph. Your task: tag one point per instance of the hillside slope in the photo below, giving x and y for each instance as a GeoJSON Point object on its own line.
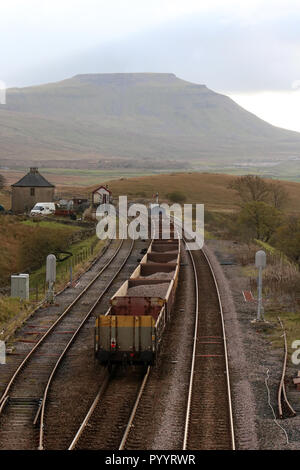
{"type": "Point", "coordinates": [203, 188]}
{"type": "Point", "coordinates": [133, 116]}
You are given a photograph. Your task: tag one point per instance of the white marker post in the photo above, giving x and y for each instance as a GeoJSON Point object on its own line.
{"type": "Point", "coordinates": [51, 277]}
{"type": "Point", "coordinates": [2, 353]}
{"type": "Point", "coordinates": [260, 263]}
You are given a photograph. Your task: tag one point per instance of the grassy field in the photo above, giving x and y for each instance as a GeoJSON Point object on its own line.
{"type": "Point", "coordinates": [73, 178]}
{"type": "Point", "coordinates": [25, 244]}
{"type": "Point", "coordinates": [13, 311]}
{"type": "Point", "coordinates": [5, 199]}
{"type": "Point", "coordinates": [51, 225]}
{"type": "Point", "coordinates": [210, 189]}
{"type": "Point", "coordinates": [207, 188]}
{"type": "Point", "coordinates": [291, 324]}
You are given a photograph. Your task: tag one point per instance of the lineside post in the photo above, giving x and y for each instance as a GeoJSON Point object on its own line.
{"type": "Point", "coordinates": [260, 263]}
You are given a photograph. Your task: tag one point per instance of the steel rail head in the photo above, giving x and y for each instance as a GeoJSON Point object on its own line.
{"type": "Point", "coordinates": [100, 394]}
{"type": "Point", "coordinates": [231, 422]}
{"type": "Point", "coordinates": [4, 403]}
{"type": "Point", "coordinates": [52, 327]}
{"type": "Point", "coordinates": [191, 381]}
{"type": "Point", "coordinates": [188, 410]}
{"type": "Point", "coordinates": [192, 367]}
{"type": "Point", "coordinates": [90, 412]}
{"type": "Point", "coordinates": [134, 409]}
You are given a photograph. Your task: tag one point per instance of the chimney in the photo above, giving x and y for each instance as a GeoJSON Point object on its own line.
{"type": "Point", "coordinates": [34, 169]}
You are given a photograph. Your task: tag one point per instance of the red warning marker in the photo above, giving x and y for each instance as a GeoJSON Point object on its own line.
{"type": "Point", "coordinates": [248, 296]}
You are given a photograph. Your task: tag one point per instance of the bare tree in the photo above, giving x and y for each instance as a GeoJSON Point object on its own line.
{"type": "Point", "coordinates": [278, 195]}
{"type": "Point", "coordinates": [2, 181]}
{"type": "Point", "coordinates": [251, 188]}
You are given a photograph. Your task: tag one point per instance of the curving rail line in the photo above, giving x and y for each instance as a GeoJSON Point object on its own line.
{"type": "Point", "coordinates": [217, 428]}
{"type": "Point", "coordinates": [52, 327]}
{"type": "Point", "coordinates": [90, 412]}
{"type": "Point", "coordinates": [44, 399]}
{"type": "Point", "coordinates": [96, 402]}
{"type": "Point", "coordinates": [134, 409]}
{"type": "Point", "coordinates": [4, 400]}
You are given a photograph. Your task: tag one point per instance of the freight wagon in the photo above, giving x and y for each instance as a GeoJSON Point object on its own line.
{"type": "Point", "coordinates": [132, 329]}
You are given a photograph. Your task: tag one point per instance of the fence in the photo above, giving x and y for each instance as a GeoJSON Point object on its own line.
{"type": "Point", "coordinates": [64, 271]}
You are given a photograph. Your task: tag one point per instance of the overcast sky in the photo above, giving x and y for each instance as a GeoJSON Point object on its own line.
{"type": "Point", "coordinates": [249, 50]}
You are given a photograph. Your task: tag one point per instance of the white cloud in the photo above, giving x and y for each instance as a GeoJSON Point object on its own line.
{"type": "Point", "coordinates": [296, 84]}
{"type": "Point", "coordinates": [281, 109]}
{"type": "Point", "coordinates": [249, 45]}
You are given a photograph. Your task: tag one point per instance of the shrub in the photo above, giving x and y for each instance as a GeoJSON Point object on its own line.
{"type": "Point", "coordinates": [258, 220]}
{"type": "Point", "coordinates": [176, 196]}
{"type": "Point", "coordinates": [287, 239]}
{"type": "Point", "coordinates": [2, 181]}
{"type": "Point", "coordinates": [24, 247]}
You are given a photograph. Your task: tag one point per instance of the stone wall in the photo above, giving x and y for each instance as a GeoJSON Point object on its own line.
{"type": "Point", "coordinates": [22, 201]}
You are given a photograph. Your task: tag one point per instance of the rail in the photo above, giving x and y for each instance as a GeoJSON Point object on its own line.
{"type": "Point", "coordinates": [53, 326]}
{"type": "Point", "coordinates": [44, 399]}
{"type": "Point", "coordinates": [134, 409]}
{"type": "Point", "coordinates": [191, 381]}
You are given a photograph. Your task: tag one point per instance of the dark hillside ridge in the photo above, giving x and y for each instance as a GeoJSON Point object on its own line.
{"type": "Point", "coordinates": [133, 116]}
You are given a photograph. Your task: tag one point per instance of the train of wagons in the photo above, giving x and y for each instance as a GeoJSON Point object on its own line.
{"type": "Point", "coordinates": [131, 331]}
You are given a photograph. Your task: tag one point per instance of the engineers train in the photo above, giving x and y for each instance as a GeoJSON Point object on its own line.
{"type": "Point", "coordinates": [131, 331]}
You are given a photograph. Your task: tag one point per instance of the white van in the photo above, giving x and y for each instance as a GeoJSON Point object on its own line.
{"type": "Point", "coordinates": [43, 208]}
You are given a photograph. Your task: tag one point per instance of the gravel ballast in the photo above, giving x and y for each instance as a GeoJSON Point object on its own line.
{"type": "Point", "coordinates": [173, 260]}
{"type": "Point", "coordinates": [160, 275]}
{"type": "Point", "coordinates": [152, 290]}
{"type": "Point", "coordinates": [253, 362]}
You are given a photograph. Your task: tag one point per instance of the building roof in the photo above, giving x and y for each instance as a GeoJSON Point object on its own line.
{"type": "Point", "coordinates": [33, 179]}
{"type": "Point", "coordinates": [102, 187]}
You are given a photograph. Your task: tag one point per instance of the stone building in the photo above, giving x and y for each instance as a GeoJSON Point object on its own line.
{"type": "Point", "coordinates": [32, 188]}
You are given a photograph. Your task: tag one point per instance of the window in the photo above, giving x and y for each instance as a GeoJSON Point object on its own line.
{"type": "Point", "coordinates": [32, 191]}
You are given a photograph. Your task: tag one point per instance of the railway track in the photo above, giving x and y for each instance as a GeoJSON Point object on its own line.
{"type": "Point", "coordinates": [209, 420]}
{"type": "Point", "coordinates": [109, 419]}
{"type": "Point", "coordinates": [24, 399]}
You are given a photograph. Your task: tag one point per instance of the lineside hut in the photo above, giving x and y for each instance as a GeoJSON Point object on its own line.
{"type": "Point", "coordinates": [101, 195]}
